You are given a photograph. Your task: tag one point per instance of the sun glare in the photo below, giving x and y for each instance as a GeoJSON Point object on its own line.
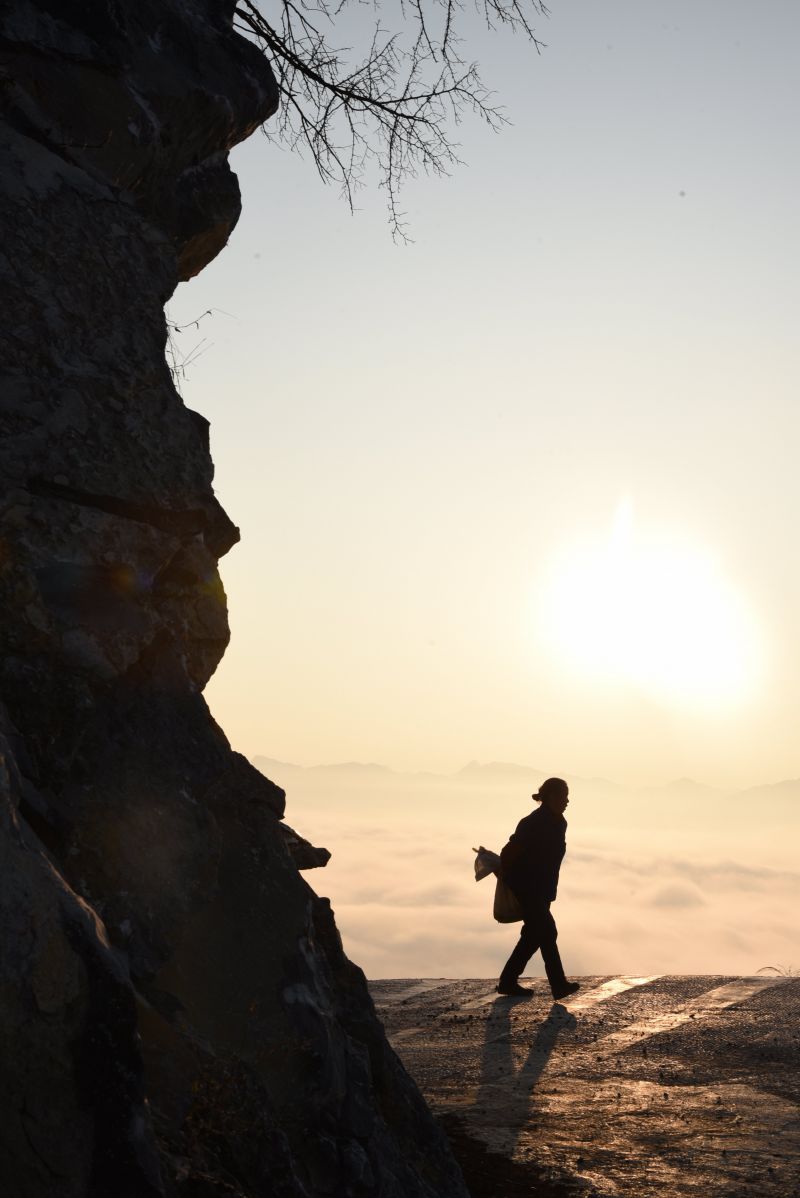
{"type": "Point", "coordinates": [654, 612]}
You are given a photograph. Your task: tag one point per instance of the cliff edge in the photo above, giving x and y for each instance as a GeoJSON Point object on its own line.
{"type": "Point", "coordinates": [177, 1016]}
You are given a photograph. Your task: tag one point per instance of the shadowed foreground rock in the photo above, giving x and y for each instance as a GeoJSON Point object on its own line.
{"type": "Point", "coordinates": [176, 1013]}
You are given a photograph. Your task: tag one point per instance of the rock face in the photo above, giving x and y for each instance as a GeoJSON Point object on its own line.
{"type": "Point", "coordinates": [177, 1016]}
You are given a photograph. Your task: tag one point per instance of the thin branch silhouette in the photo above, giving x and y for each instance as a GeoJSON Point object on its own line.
{"type": "Point", "coordinates": [395, 106]}
{"type": "Point", "coordinates": [179, 362]}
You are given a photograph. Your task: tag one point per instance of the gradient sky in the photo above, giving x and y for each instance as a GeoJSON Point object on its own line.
{"type": "Point", "coordinates": [527, 488]}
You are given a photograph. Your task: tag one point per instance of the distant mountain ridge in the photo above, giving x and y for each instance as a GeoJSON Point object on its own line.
{"type": "Point", "coordinates": [505, 772]}
{"type": "Point", "coordinates": [340, 767]}
{"type": "Point", "coordinates": [509, 769]}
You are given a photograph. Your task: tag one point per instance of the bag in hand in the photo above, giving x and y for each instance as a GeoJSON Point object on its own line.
{"type": "Point", "coordinates": [506, 904]}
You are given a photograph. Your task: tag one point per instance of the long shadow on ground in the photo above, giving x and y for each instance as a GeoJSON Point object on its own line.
{"type": "Point", "coordinates": [491, 1174]}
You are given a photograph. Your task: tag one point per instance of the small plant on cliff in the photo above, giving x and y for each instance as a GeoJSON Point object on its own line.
{"type": "Point", "coordinates": [179, 361]}
{"type": "Point", "coordinates": [391, 105]}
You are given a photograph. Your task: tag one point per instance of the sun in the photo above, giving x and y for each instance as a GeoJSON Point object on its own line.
{"type": "Point", "coordinates": [654, 611]}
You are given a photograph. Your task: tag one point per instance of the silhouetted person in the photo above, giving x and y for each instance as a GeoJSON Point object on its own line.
{"type": "Point", "coordinates": [530, 864]}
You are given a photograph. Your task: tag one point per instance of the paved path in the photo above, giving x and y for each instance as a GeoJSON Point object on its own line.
{"type": "Point", "coordinates": [671, 1085]}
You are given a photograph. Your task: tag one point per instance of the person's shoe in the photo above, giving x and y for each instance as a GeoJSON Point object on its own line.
{"type": "Point", "coordinates": [513, 989]}
{"type": "Point", "coordinates": [565, 990]}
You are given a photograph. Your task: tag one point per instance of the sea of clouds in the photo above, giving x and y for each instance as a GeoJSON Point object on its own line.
{"type": "Point", "coordinates": [680, 879]}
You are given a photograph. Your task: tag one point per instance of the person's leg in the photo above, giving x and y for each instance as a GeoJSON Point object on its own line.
{"type": "Point", "coordinates": [548, 937]}
{"type": "Point", "coordinates": [525, 947]}
{"type": "Point", "coordinates": [539, 931]}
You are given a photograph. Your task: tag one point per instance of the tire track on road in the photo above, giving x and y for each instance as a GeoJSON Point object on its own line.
{"type": "Point", "coordinates": [606, 990]}
{"type": "Point", "coordinates": [609, 989]}
{"type": "Point", "coordinates": [412, 991]}
{"type": "Point", "coordinates": [717, 999]}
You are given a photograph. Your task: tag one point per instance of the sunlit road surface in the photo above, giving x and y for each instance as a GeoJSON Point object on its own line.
{"type": "Point", "coordinates": [637, 1085]}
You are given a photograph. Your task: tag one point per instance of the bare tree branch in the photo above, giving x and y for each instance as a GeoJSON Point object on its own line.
{"type": "Point", "coordinates": [391, 109]}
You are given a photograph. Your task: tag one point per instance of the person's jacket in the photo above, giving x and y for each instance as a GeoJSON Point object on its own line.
{"type": "Point", "coordinates": [532, 858]}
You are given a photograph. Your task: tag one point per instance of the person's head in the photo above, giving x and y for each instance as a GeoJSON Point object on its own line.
{"type": "Point", "coordinates": [553, 794]}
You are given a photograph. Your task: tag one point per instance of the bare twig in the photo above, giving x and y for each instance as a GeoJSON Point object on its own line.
{"type": "Point", "coordinates": [178, 361]}
{"type": "Point", "coordinates": [394, 107]}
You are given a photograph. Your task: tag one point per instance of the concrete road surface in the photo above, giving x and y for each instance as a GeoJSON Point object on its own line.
{"type": "Point", "coordinates": [635, 1086]}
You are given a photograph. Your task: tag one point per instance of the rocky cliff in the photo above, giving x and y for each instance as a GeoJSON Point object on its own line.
{"type": "Point", "coordinates": [177, 1016]}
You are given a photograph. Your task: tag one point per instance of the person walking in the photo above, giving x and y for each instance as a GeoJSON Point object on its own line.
{"type": "Point", "coordinates": [530, 864]}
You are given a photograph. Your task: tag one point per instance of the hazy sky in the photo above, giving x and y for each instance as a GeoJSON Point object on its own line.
{"type": "Point", "coordinates": [527, 488]}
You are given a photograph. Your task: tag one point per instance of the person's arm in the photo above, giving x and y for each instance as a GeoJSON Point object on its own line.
{"type": "Point", "coordinates": [520, 853]}
{"type": "Point", "coordinates": [511, 856]}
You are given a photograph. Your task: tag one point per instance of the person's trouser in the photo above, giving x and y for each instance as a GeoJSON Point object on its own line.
{"type": "Point", "coordinates": [539, 931]}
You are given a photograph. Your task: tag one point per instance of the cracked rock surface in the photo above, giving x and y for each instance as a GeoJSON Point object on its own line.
{"type": "Point", "coordinates": [177, 1016]}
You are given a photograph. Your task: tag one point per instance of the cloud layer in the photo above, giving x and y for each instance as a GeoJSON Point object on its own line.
{"type": "Point", "coordinates": [631, 900]}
